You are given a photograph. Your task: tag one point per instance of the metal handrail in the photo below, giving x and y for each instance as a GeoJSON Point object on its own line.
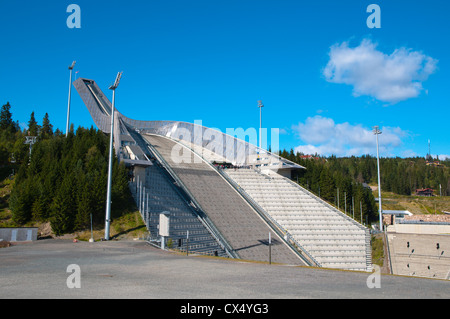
{"type": "Point", "coordinates": [388, 251]}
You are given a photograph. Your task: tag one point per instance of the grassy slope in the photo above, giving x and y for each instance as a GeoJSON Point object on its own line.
{"type": "Point", "coordinates": [420, 205]}
{"type": "Point", "coordinates": [5, 214]}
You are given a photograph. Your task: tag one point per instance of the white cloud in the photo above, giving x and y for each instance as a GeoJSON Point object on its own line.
{"type": "Point", "coordinates": [442, 157]}
{"type": "Point", "coordinates": [325, 137]}
{"type": "Point", "coordinates": [388, 78]}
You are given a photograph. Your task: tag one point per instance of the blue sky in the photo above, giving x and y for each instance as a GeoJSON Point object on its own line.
{"type": "Point", "coordinates": [324, 77]}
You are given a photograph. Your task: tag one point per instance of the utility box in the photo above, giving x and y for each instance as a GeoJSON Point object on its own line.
{"type": "Point", "coordinates": [164, 224]}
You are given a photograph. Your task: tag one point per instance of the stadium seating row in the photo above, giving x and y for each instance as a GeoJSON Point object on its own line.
{"type": "Point", "coordinates": [329, 236]}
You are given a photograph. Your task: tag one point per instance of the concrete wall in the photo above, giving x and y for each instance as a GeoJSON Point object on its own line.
{"type": "Point", "coordinates": [419, 255]}
{"type": "Point", "coordinates": [18, 234]}
{"type": "Point", "coordinates": [419, 229]}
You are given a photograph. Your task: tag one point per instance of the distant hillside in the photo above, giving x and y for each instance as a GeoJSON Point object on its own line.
{"type": "Point", "coordinates": [398, 175]}
{"type": "Point", "coordinates": [345, 180]}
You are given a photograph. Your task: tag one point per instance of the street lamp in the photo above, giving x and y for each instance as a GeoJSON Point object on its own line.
{"type": "Point", "coordinates": [108, 195]}
{"type": "Point", "coordinates": [260, 105]}
{"type": "Point", "coordinates": [377, 132]}
{"type": "Point", "coordinates": [70, 91]}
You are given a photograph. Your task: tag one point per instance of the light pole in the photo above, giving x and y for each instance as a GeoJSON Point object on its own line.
{"type": "Point", "coordinates": [108, 194]}
{"type": "Point", "coordinates": [70, 92]}
{"type": "Point", "coordinates": [377, 132]}
{"type": "Point", "coordinates": [260, 105]}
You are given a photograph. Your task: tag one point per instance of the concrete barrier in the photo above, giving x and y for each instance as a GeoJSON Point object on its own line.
{"type": "Point", "coordinates": [18, 234]}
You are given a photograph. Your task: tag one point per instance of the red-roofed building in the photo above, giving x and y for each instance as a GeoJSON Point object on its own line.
{"type": "Point", "coordinates": [424, 192]}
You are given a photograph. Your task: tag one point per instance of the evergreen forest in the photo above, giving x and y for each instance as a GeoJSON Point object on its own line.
{"type": "Point", "coordinates": [61, 180]}
{"type": "Point", "coordinates": [344, 181]}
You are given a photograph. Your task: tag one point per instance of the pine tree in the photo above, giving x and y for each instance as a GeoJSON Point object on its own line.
{"type": "Point", "coordinates": [63, 208]}
{"type": "Point", "coordinates": [82, 219]}
{"type": "Point", "coordinates": [41, 205]}
{"type": "Point", "coordinates": [6, 121]}
{"type": "Point", "coordinates": [327, 186]}
{"type": "Point", "coordinates": [21, 201]}
{"type": "Point", "coordinates": [4, 155]}
{"type": "Point", "coordinates": [46, 129]}
{"type": "Point", "coordinates": [33, 127]}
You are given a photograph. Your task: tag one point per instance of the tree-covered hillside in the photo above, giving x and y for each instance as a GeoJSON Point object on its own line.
{"type": "Point", "coordinates": [330, 176]}
{"type": "Point", "coordinates": [64, 180]}
{"type": "Point", "coordinates": [398, 175]}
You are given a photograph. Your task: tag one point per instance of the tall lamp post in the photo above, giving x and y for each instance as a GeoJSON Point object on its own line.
{"type": "Point", "coordinates": [108, 194]}
{"type": "Point", "coordinates": [70, 93]}
{"type": "Point", "coordinates": [260, 105]}
{"type": "Point", "coordinates": [377, 132]}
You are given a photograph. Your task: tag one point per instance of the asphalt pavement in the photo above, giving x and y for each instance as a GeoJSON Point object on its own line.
{"type": "Point", "coordinates": [48, 269]}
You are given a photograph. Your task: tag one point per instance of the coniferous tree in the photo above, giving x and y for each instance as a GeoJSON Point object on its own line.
{"type": "Point", "coordinates": [21, 201]}
{"type": "Point", "coordinates": [85, 208]}
{"type": "Point", "coordinates": [327, 186]}
{"type": "Point", "coordinates": [4, 155]}
{"type": "Point", "coordinates": [33, 127]}
{"type": "Point", "coordinates": [41, 205]}
{"type": "Point", "coordinates": [46, 130]}
{"type": "Point", "coordinates": [63, 208]}
{"type": "Point", "coordinates": [6, 121]}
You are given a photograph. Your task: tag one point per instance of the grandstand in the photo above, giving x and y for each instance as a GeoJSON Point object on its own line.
{"type": "Point", "coordinates": [229, 212]}
{"type": "Point", "coordinates": [332, 238]}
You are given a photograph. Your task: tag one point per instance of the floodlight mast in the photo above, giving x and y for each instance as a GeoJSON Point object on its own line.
{"type": "Point", "coordinates": [260, 105]}
{"type": "Point", "coordinates": [70, 93]}
{"type": "Point", "coordinates": [116, 82]}
{"type": "Point", "coordinates": [377, 132]}
{"type": "Point", "coordinates": [108, 195]}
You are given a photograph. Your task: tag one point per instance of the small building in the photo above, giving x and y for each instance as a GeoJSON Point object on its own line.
{"type": "Point", "coordinates": [309, 157]}
{"type": "Point", "coordinates": [424, 192]}
{"type": "Point", "coordinates": [434, 163]}
{"type": "Point", "coordinates": [389, 216]}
